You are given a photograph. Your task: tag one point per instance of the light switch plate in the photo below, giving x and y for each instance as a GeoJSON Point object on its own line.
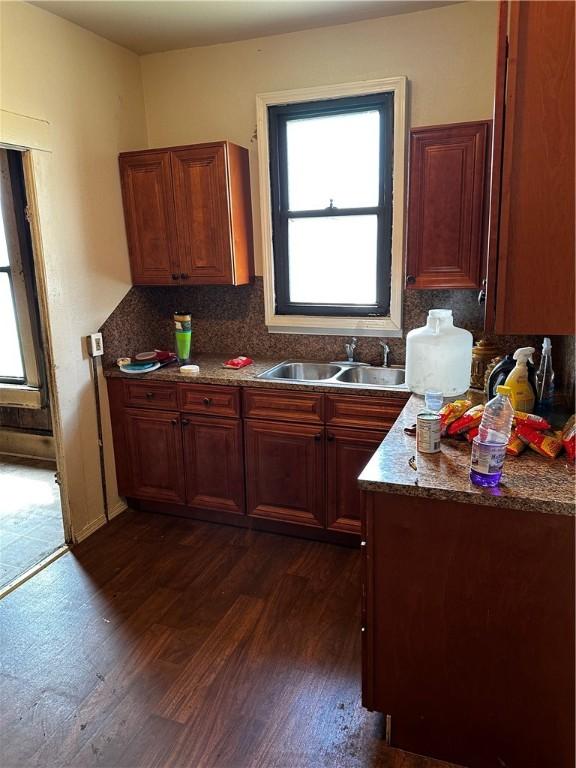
{"type": "Point", "coordinates": [95, 345]}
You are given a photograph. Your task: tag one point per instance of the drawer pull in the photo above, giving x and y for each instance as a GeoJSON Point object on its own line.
{"type": "Point", "coordinates": [174, 421]}
{"type": "Point", "coordinates": [207, 400]}
{"type": "Point", "coordinates": [149, 395]}
{"type": "Point", "coordinates": [318, 437]}
{"type": "Point", "coordinates": [185, 422]}
{"type": "Point", "coordinates": [330, 437]}
{"type": "Point", "coordinates": [174, 277]}
{"type": "Point", "coordinates": [184, 276]}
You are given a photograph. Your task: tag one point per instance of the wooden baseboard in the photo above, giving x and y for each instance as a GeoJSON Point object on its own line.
{"type": "Point", "coordinates": [92, 527]}
{"type": "Point", "coordinates": [14, 442]}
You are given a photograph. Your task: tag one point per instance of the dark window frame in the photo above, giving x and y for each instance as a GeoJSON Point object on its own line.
{"type": "Point", "coordinates": [19, 202]}
{"type": "Point", "coordinates": [278, 116]}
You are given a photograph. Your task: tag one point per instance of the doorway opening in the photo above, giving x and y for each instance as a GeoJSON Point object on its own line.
{"type": "Point", "coordinates": [31, 520]}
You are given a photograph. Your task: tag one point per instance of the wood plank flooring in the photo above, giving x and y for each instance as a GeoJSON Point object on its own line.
{"type": "Point", "coordinates": [167, 643]}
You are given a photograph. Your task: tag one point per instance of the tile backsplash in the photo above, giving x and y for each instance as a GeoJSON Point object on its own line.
{"type": "Point", "coordinates": [230, 321]}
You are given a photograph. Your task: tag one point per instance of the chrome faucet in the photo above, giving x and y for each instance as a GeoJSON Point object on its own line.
{"type": "Point", "coordinates": [350, 349]}
{"type": "Point", "coordinates": [385, 353]}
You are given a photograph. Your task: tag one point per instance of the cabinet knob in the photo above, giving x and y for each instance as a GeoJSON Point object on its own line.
{"type": "Point", "coordinates": [318, 437]}
{"type": "Point", "coordinates": [149, 395]}
{"type": "Point", "coordinates": [174, 421]}
{"type": "Point", "coordinates": [207, 400]}
{"type": "Point", "coordinates": [185, 422]}
{"type": "Point", "coordinates": [184, 276]}
{"type": "Point", "coordinates": [174, 277]}
{"type": "Point", "coordinates": [330, 437]}
{"type": "Point", "coordinates": [410, 279]}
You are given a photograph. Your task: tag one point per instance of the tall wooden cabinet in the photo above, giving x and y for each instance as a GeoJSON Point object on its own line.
{"type": "Point", "coordinates": [447, 205]}
{"type": "Point", "coordinates": [530, 276]}
{"type": "Point", "coordinates": [188, 215]}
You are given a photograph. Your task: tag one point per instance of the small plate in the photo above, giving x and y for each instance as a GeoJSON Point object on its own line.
{"type": "Point", "coordinates": [139, 368]}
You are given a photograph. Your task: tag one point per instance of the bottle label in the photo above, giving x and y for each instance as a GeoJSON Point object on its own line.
{"type": "Point", "coordinates": [487, 458]}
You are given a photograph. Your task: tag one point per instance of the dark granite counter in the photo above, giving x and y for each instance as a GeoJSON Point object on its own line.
{"type": "Point", "coordinates": [530, 482]}
{"type": "Point", "coordinates": [212, 372]}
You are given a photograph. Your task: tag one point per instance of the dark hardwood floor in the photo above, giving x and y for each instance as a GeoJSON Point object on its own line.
{"type": "Point", "coordinates": [177, 644]}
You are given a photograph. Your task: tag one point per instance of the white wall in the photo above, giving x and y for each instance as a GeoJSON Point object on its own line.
{"type": "Point", "coordinates": [90, 92]}
{"type": "Point", "coordinates": [206, 94]}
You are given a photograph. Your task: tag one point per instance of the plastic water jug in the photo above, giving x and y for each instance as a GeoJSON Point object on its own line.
{"type": "Point", "coordinates": [439, 356]}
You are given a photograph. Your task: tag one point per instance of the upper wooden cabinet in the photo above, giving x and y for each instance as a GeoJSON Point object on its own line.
{"type": "Point", "coordinates": [446, 236]}
{"type": "Point", "coordinates": [530, 277]}
{"type": "Point", "coordinates": [188, 215]}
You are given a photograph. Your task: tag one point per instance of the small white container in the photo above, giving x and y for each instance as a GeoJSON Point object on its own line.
{"type": "Point", "coordinates": [439, 356]}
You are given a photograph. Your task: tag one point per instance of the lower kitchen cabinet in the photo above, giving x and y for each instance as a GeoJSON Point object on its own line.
{"type": "Point", "coordinates": [285, 472]}
{"type": "Point", "coordinates": [347, 453]}
{"type": "Point", "coordinates": [154, 446]}
{"type": "Point", "coordinates": [468, 630]}
{"type": "Point", "coordinates": [290, 465]}
{"type": "Point", "coordinates": [213, 463]}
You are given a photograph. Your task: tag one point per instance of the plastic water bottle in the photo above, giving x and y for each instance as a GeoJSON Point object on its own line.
{"type": "Point", "coordinates": [489, 446]}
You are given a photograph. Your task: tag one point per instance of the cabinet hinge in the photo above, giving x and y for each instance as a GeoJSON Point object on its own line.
{"type": "Point", "coordinates": [27, 215]}
{"type": "Point", "coordinates": [57, 478]}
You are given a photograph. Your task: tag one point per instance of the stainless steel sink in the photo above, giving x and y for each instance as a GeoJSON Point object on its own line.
{"type": "Point", "coordinates": [342, 374]}
{"type": "Point", "coordinates": [373, 376]}
{"type": "Point", "coordinates": [302, 371]}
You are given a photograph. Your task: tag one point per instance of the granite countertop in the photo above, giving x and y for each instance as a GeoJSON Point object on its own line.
{"type": "Point", "coordinates": [530, 482]}
{"type": "Point", "coordinates": [212, 372]}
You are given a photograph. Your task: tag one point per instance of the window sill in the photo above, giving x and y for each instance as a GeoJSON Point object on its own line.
{"type": "Point", "coordinates": [20, 396]}
{"type": "Point", "coordinates": [334, 326]}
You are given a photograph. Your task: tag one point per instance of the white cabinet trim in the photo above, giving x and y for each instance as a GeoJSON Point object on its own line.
{"type": "Point", "coordinates": [369, 326]}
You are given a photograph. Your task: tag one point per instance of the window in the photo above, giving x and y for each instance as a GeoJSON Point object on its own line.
{"type": "Point", "coordinates": [331, 182]}
{"type": "Point", "coordinates": [20, 351]}
{"type": "Point", "coordinates": [331, 176]}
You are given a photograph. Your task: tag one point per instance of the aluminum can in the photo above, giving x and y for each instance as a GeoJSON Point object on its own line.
{"type": "Point", "coordinates": [428, 433]}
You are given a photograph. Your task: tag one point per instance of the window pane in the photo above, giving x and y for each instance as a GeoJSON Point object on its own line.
{"type": "Point", "coordinates": [10, 357]}
{"type": "Point", "coordinates": [337, 158]}
{"type": "Point", "coordinates": [333, 259]}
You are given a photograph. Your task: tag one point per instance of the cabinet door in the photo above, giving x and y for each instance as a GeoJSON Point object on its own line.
{"type": "Point", "coordinates": [447, 205]}
{"type": "Point", "coordinates": [149, 213]}
{"type": "Point", "coordinates": [202, 214]}
{"type": "Point", "coordinates": [347, 453]}
{"type": "Point", "coordinates": [154, 444]}
{"type": "Point", "coordinates": [214, 463]}
{"type": "Point", "coordinates": [531, 257]}
{"type": "Point", "coordinates": [285, 472]}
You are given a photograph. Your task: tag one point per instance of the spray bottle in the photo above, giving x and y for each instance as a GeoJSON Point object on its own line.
{"type": "Point", "coordinates": [522, 392]}
{"type": "Point", "coordinates": [545, 377]}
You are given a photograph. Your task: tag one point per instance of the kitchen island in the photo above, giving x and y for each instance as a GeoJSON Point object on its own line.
{"type": "Point", "coordinates": [468, 604]}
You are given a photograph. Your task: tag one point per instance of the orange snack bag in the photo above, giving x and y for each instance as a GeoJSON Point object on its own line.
{"type": "Point", "coordinates": [548, 444]}
{"type": "Point", "coordinates": [452, 411]}
{"type": "Point", "coordinates": [471, 418]}
{"type": "Point", "coordinates": [569, 437]}
{"type": "Point", "coordinates": [515, 445]}
{"type": "Point", "coordinates": [471, 434]}
{"type": "Point", "coordinates": [530, 420]}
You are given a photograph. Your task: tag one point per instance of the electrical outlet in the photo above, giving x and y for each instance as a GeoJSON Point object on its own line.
{"type": "Point", "coordinates": [95, 345]}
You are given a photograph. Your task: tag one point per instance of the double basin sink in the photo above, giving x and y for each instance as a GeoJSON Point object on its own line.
{"type": "Point", "coordinates": [338, 373]}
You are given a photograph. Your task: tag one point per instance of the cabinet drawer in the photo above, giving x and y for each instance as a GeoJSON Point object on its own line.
{"type": "Point", "coordinates": [221, 401]}
{"type": "Point", "coordinates": [307, 407]}
{"type": "Point", "coordinates": [150, 394]}
{"type": "Point", "coordinates": [366, 412]}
